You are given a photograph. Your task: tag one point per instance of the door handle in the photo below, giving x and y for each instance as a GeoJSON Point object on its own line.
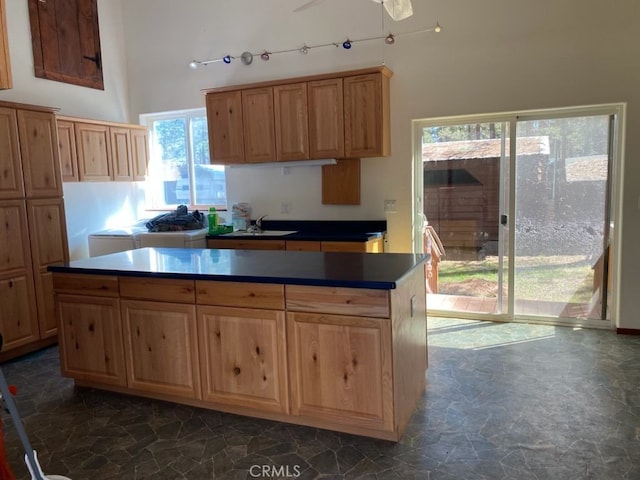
{"type": "Point", "coordinates": [96, 59]}
{"type": "Point", "coordinates": [503, 220]}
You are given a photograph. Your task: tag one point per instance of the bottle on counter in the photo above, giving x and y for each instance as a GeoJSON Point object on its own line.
{"type": "Point", "coordinates": [212, 219]}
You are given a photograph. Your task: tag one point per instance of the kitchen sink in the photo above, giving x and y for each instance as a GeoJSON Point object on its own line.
{"type": "Point", "coordinates": [263, 233]}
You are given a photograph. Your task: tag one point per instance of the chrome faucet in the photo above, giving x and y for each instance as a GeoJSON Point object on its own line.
{"type": "Point", "coordinates": [259, 223]}
{"type": "Point", "coordinates": [257, 226]}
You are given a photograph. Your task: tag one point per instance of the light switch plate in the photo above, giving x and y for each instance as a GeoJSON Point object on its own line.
{"type": "Point", "coordinates": [390, 206]}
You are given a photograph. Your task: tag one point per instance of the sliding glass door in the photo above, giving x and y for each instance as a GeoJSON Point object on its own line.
{"type": "Point", "coordinates": [562, 216]}
{"type": "Point", "coordinates": [519, 210]}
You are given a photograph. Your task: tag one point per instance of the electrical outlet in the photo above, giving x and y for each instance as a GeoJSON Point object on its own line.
{"type": "Point", "coordinates": [390, 206]}
{"type": "Point", "coordinates": [285, 207]}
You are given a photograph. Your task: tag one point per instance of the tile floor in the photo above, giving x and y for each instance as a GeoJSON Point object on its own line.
{"type": "Point", "coordinates": [503, 401]}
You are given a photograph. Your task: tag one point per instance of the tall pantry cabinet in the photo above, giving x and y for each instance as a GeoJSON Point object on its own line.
{"type": "Point", "coordinates": [32, 226]}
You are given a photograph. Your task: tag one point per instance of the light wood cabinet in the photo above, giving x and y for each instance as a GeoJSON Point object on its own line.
{"type": "Point", "coordinates": [67, 151]}
{"type": "Point", "coordinates": [161, 347]}
{"type": "Point", "coordinates": [33, 227]}
{"type": "Point", "coordinates": [366, 115]}
{"type": "Point", "coordinates": [39, 153]}
{"type": "Point", "coordinates": [91, 338]}
{"type": "Point", "coordinates": [93, 147]}
{"type": "Point", "coordinates": [375, 245]}
{"type": "Point", "coordinates": [244, 357]}
{"type": "Point", "coordinates": [139, 152]}
{"type": "Point", "coordinates": [121, 153]}
{"type": "Point", "coordinates": [102, 151]}
{"type": "Point", "coordinates": [48, 236]}
{"type": "Point", "coordinates": [5, 60]}
{"type": "Point", "coordinates": [11, 183]}
{"type": "Point", "coordinates": [347, 359]}
{"type": "Point", "coordinates": [224, 120]}
{"type": "Point", "coordinates": [322, 116]}
{"type": "Point", "coordinates": [341, 369]}
{"type": "Point", "coordinates": [258, 125]}
{"type": "Point", "coordinates": [326, 119]}
{"type": "Point", "coordinates": [303, 245]}
{"type": "Point", "coordinates": [18, 315]}
{"type": "Point", "coordinates": [247, 244]}
{"type": "Point", "coordinates": [291, 121]}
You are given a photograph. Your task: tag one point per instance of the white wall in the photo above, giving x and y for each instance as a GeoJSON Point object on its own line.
{"type": "Point", "coordinates": [88, 207]}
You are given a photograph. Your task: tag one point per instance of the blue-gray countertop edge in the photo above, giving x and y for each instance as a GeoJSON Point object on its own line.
{"type": "Point", "coordinates": [356, 270]}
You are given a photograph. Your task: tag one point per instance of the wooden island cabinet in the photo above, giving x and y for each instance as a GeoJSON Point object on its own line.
{"type": "Point", "coordinates": [309, 348]}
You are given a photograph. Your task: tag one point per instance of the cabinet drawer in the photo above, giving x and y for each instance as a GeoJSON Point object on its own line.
{"type": "Point", "coordinates": [240, 294]}
{"type": "Point", "coordinates": [160, 289]}
{"type": "Point", "coordinates": [247, 244]}
{"type": "Point", "coordinates": [338, 300]}
{"type": "Point", "coordinates": [303, 245]}
{"type": "Point", "coordinates": [100, 285]}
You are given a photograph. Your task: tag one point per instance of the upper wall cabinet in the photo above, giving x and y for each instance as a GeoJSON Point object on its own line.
{"type": "Point", "coordinates": [95, 151]}
{"type": "Point", "coordinates": [5, 61]}
{"type": "Point", "coordinates": [39, 152]}
{"type": "Point", "coordinates": [29, 163]}
{"type": "Point", "coordinates": [291, 121]}
{"type": "Point", "coordinates": [322, 116]}
{"type": "Point", "coordinates": [224, 120]}
{"type": "Point", "coordinates": [326, 119]}
{"type": "Point", "coordinates": [11, 184]}
{"type": "Point", "coordinates": [366, 116]}
{"type": "Point", "coordinates": [66, 41]}
{"type": "Point", "coordinates": [258, 125]}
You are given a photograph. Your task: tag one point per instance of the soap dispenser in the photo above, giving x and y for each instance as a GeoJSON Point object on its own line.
{"type": "Point", "coordinates": [212, 219]}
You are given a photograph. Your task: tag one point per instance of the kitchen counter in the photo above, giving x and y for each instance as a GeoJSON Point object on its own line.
{"type": "Point", "coordinates": [375, 271]}
{"type": "Point", "coordinates": [331, 340]}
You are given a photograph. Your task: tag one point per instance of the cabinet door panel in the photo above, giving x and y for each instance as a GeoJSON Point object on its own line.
{"type": "Point", "coordinates": [91, 338]}
{"type": "Point", "coordinates": [47, 322]}
{"type": "Point", "coordinates": [139, 152]}
{"type": "Point", "coordinates": [47, 231]}
{"type": "Point", "coordinates": [366, 112]}
{"type": "Point", "coordinates": [161, 347]}
{"type": "Point", "coordinates": [258, 124]}
{"type": "Point", "coordinates": [18, 320]}
{"type": "Point", "coordinates": [244, 357]}
{"type": "Point", "coordinates": [224, 120]}
{"type": "Point", "coordinates": [93, 147]}
{"type": "Point", "coordinates": [39, 150]}
{"type": "Point", "coordinates": [326, 119]}
{"type": "Point", "coordinates": [340, 368]}
{"type": "Point", "coordinates": [11, 184]}
{"type": "Point", "coordinates": [5, 61]}
{"type": "Point", "coordinates": [291, 121]}
{"type": "Point", "coordinates": [121, 154]}
{"type": "Point", "coordinates": [14, 236]}
{"type": "Point", "coordinates": [67, 151]}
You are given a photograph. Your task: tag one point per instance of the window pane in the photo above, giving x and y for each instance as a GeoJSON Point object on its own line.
{"type": "Point", "coordinates": [209, 179]}
{"type": "Point", "coordinates": [170, 137]}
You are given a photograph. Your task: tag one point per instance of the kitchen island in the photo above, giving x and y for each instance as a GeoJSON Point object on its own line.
{"type": "Point", "coordinates": [330, 340]}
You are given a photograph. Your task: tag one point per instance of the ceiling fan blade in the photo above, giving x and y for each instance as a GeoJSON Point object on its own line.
{"type": "Point", "coordinates": [309, 4]}
{"type": "Point", "coordinates": [397, 9]}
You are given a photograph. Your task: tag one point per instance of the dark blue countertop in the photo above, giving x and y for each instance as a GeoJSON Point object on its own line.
{"type": "Point", "coordinates": [319, 230]}
{"type": "Point", "coordinates": [358, 270]}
